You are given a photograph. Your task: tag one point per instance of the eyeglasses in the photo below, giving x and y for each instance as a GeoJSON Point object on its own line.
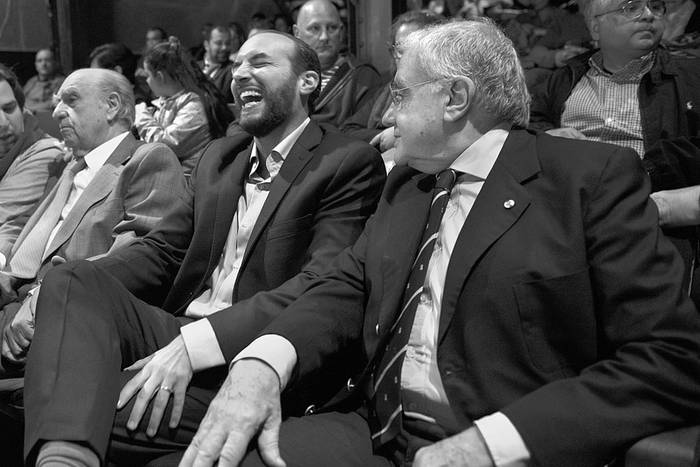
{"type": "Point", "coordinates": [633, 9]}
{"type": "Point", "coordinates": [396, 93]}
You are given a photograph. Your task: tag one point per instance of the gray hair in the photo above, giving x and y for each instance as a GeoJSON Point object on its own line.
{"type": "Point", "coordinates": [590, 8]}
{"type": "Point", "coordinates": [113, 82]}
{"type": "Point", "coordinates": [479, 50]}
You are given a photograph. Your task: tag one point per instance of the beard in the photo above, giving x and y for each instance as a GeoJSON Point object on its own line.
{"type": "Point", "coordinates": [275, 110]}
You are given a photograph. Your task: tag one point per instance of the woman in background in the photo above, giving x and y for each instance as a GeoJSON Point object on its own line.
{"type": "Point", "coordinates": [189, 110]}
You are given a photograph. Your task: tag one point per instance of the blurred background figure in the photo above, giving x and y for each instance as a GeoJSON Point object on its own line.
{"type": "Point", "coordinates": [216, 63]}
{"type": "Point", "coordinates": [237, 39]}
{"type": "Point", "coordinates": [283, 23]}
{"type": "Point", "coordinates": [682, 29]}
{"type": "Point", "coordinates": [546, 36]}
{"type": "Point", "coordinates": [39, 90]}
{"type": "Point", "coordinates": [197, 51]}
{"type": "Point", "coordinates": [154, 36]}
{"type": "Point", "coordinates": [118, 57]}
{"type": "Point", "coordinates": [189, 110]}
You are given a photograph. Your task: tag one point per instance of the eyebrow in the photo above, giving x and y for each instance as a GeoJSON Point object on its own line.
{"type": "Point", "coordinates": [256, 56]}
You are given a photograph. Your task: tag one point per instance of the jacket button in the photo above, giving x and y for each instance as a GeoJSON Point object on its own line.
{"type": "Point", "coordinates": [350, 385]}
{"type": "Point", "coordinates": [310, 410]}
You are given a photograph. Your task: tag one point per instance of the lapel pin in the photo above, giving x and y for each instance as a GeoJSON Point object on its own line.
{"type": "Point", "coordinates": [508, 204]}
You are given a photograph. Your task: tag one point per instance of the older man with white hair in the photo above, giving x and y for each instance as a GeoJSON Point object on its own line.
{"type": "Point", "coordinates": [114, 190]}
{"type": "Point", "coordinates": [530, 315]}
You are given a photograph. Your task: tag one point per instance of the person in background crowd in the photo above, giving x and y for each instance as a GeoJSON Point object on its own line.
{"type": "Point", "coordinates": [633, 93]}
{"type": "Point", "coordinates": [197, 51]}
{"type": "Point", "coordinates": [367, 123]}
{"type": "Point", "coordinates": [39, 90]}
{"type": "Point", "coordinates": [115, 190]}
{"type": "Point", "coordinates": [511, 301]}
{"type": "Point", "coordinates": [546, 36]}
{"type": "Point", "coordinates": [154, 35]}
{"type": "Point", "coordinates": [30, 162]}
{"type": "Point", "coordinates": [345, 84]}
{"type": "Point", "coordinates": [237, 38]}
{"type": "Point", "coordinates": [267, 214]}
{"type": "Point", "coordinates": [189, 110]}
{"type": "Point", "coordinates": [282, 23]}
{"type": "Point", "coordinates": [216, 64]}
{"type": "Point", "coordinates": [118, 57]}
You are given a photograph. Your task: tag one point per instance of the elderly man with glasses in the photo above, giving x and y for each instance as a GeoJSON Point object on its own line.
{"type": "Point", "coordinates": [632, 93]}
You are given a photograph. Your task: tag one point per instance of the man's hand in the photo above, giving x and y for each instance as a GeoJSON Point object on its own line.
{"type": "Point", "coordinates": [18, 334]}
{"type": "Point", "coordinates": [247, 403]}
{"type": "Point", "coordinates": [384, 140]}
{"type": "Point", "coordinates": [566, 132]}
{"type": "Point", "coordinates": [166, 372]}
{"type": "Point", "coordinates": [679, 207]}
{"type": "Point", "coordinates": [463, 449]}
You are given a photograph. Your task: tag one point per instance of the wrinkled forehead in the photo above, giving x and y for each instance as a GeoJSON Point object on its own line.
{"type": "Point", "coordinates": [274, 46]}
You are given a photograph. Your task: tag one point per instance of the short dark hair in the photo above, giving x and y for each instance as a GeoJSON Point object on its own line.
{"type": "Point", "coordinates": [161, 31]}
{"type": "Point", "coordinates": [8, 75]}
{"type": "Point", "coordinates": [304, 59]}
{"type": "Point", "coordinates": [220, 28]}
{"type": "Point", "coordinates": [115, 54]}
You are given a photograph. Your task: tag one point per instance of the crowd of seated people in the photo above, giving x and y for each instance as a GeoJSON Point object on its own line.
{"type": "Point", "coordinates": [260, 251]}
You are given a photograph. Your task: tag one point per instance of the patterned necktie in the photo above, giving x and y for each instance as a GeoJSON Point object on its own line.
{"type": "Point", "coordinates": [387, 383]}
{"type": "Point", "coordinates": [26, 260]}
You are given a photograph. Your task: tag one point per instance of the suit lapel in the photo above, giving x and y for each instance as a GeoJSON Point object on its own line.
{"type": "Point", "coordinates": [501, 202]}
{"type": "Point", "coordinates": [228, 190]}
{"type": "Point", "coordinates": [296, 160]}
{"type": "Point", "coordinates": [98, 188]}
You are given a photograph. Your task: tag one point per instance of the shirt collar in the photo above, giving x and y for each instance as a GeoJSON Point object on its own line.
{"type": "Point", "coordinates": [282, 148]}
{"type": "Point", "coordinates": [632, 71]}
{"type": "Point", "coordinates": [98, 156]}
{"type": "Point", "coordinates": [478, 159]}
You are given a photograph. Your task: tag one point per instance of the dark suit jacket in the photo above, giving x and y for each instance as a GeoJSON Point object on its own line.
{"type": "Point", "coordinates": [222, 78]}
{"type": "Point", "coordinates": [318, 204]}
{"type": "Point", "coordinates": [564, 311]}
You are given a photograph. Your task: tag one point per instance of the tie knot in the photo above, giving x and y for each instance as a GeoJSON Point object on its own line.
{"type": "Point", "coordinates": [446, 179]}
{"type": "Point", "coordinates": [79, 165]}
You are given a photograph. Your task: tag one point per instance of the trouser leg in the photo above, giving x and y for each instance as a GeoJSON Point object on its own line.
{"type": "Point", "coordinates": [88, 327]}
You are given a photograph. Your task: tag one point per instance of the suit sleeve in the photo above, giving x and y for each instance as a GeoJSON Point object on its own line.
{"type": "Point", "coordinates": [349, 199]}
{"type": "Point", "coordinates": [646, 377]}
{"type": "Point", "coordinates": [20, 191]}
{"type": "Point", "coordinates": [158, 201]}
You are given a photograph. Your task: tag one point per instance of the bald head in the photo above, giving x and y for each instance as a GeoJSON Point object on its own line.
{"type": "Point", "coordinates": [93, 106]}
{"type": "Point", "coordinates": [319, 25]}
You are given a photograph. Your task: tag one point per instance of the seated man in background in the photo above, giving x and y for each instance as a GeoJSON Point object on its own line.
{"type": "Point", "coordinates": [267, 214]}
{"type": "Point", "coordinates": [345, 84]}
{"type": "Point", "coordinates": [531, 313]}
{"type": "Point", "coordinates": [39, 90]}
{"type": "Point", "coordinates": [216, 64]}
{"type": "Point", "coordinates": [114, 190]}
{"type": "Point", "coordinates": [30, 162]}
{"type": "Point", "coordinates": [635, 94]}
{"type": "Point", "coordinates": [367, 123]}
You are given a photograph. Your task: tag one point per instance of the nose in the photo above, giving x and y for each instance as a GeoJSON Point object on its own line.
{"type": "Point", "coordinates": [388, 117]}
{"type": "Point", "coordinates": [4, 121]}
{"type": "Point", "coordinates": [324, 34]}
{"type": "Point", "coordinates": [58, 111]}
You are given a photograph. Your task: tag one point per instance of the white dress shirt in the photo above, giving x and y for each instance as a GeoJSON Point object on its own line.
{"type": "Point", "coordinates": [420, 371]}
{"type": "Point", "coordinates": [200, 340]}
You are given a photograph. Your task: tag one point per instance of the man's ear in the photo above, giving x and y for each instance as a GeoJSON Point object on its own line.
{"type": "Point", "coordinates": [308, 82]}
{"type": "Point", "coordinates": [594, 28]}
{"type": "Point", "coordinates": [461, 97]}
{"type": "Point", "coordinates": [295, 30]}
{"type": "Point", "coordinates": [114, 104]}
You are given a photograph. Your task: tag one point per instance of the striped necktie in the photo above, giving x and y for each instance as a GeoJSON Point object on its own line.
{"type": "Point", "coordinates": [26, 260]}
{"type": "Point", "coordinates": [386, 423]}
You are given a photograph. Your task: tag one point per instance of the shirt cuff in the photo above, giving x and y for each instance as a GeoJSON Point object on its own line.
{"type": "Point", "coordinates": [274, 350]}
{"type": "Point", "coordinates": [201, 345]}
{"type": "Point", "coordinates": [503, 441]}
